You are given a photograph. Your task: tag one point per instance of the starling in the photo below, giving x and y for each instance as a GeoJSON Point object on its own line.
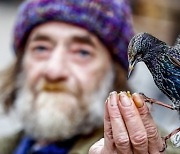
{"type": "Point", "coordinates": [163, 61]}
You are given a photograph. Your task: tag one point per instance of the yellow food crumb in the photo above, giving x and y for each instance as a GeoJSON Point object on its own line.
{"type": "Point", "coordinates": [128, 94]}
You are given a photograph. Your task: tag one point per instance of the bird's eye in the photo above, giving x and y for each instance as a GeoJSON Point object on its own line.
{"type": "Point", "coordinates": [138, 57]}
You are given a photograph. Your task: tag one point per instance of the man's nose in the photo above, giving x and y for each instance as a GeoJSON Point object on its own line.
{"type": "Point", "coordinates": [57, 68]}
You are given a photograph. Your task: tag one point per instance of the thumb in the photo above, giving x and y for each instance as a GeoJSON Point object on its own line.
{"type": "Point", "coordinates": [97, 147]}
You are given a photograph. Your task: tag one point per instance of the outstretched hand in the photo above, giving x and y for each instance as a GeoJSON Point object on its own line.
{"type": "Point", "coordinates": [128, 127]}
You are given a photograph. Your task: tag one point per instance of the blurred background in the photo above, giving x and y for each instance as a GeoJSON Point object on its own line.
{"type": "Point", "coordinates": [157, 17]}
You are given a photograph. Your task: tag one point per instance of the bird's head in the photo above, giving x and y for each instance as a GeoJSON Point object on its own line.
{"type": "Point", "coordinates": [143, 47]}
{"type": "Point", "coordinates": [136, 51]}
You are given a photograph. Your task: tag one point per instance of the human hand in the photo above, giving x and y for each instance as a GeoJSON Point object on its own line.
{"type": "Point", "coordinates": [128, 127]}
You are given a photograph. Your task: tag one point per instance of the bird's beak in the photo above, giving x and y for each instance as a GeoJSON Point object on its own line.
{"type": "Point", "coordinates": [132, 63]}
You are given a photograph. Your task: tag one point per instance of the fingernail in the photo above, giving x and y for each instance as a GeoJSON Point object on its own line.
{"type": "Point", "coordinates": [125, 101]}
{"type": "Point", "coordinates": [113, 97]}
{"type": "Point", "coordinates": [137, 100]}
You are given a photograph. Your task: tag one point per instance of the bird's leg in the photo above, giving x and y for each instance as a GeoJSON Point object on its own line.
{"type": "Point", "coordinates": [151, 100]}
{"type": "Point", "coordinates": [168, 137]}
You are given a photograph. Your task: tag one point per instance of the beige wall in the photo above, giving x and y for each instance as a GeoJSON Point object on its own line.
{"type": "Point", "coordinates": [7, 15]}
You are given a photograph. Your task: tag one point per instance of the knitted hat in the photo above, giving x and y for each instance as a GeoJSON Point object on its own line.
{"type": "Point", "coordinates": [109, 20]}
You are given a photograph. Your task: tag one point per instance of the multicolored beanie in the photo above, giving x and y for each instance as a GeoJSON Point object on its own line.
{"type": "Point", "coordinates": [109, 20]}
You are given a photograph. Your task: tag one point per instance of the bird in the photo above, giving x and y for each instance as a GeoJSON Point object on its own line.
{"type": "Point", "coordinates": [163, 62]}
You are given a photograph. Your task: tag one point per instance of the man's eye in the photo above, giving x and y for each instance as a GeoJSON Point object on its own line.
{"type": "Point", "coordinates": [84, 53]}
{"type": "Point", "coordinates": [40, 49]}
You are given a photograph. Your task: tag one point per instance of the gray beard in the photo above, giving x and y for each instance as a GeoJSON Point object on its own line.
{"type": "Point", "coordinates": [58, 117]}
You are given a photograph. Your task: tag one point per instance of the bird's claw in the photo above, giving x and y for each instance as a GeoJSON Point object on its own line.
{"type": "Point", "coordinates": [168, 137]}
{"type": "Point", "coordinates": [164, 144]}
{"type": "Point", "coordinates": [153, 101]}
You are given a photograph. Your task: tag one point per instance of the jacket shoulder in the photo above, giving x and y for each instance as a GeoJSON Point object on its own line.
{"type": "Point", "coordinates": [9, 143]}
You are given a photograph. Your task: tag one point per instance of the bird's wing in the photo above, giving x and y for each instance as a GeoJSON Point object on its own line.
{"type": "Point", "coordinates": [169, 77]}
{"type": "Point", "coordinates": [175, 61]}
{"type": "Point", "coordinates": [174, 56]}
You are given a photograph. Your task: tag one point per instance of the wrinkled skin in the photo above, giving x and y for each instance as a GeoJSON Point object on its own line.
{"type": "Point", "coordinates": [128, 127]}
{"type": "Point", "coordinates": [66, 76]}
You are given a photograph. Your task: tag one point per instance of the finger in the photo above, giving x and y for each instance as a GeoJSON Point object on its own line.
{"type": "Point", "coordinates": [155, 143]}
{"type": "Point", "coordinates": [120, 134]}
{"type": "Point", "coordinates": [108, 137]}
{"type": "Point", "coordinates": [134, 124]}
{"type": "Point", "coordinates": [106, 144]}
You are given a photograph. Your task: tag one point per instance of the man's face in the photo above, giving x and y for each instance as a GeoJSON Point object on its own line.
{"type": "Point", "coordinates": [67, 74]}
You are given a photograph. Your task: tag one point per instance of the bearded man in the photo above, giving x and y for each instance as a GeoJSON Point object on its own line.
{"type": "Point", "coordinates": [70, 55]}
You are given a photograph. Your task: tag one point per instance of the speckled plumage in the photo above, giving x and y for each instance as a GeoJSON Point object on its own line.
{"type": "Point", "coordinates": [162, 60]}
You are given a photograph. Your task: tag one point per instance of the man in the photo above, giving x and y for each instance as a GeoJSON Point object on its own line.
{"type": "Point", "coordinates": [70, 55]}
